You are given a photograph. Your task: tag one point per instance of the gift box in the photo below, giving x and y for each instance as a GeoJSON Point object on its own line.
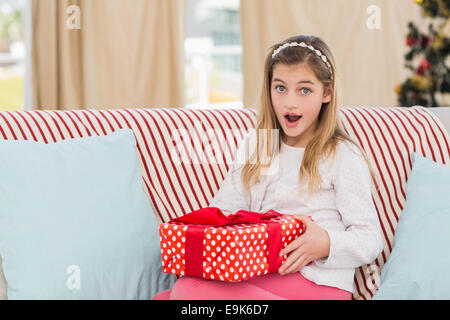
{"type": "Point", "coordinates": [207, 244]}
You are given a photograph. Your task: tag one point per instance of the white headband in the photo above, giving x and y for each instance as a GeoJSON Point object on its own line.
{"type": "Point", "coordinates": [304, 45]}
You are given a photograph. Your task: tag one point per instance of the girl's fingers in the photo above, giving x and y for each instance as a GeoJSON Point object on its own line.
{"type": "Point", "coordinates": [297, 243]}
{"type": "Point", "coordinates": [290, 260]}
{"type": "Point", "coordinates": [296, 266]}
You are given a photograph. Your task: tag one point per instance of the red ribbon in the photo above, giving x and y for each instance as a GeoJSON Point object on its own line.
{"type": "Point", "coordinates": [212, 216]}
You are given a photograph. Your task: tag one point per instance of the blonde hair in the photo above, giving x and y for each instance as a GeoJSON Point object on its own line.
{"type": "Point", "coordinates": [328, 131]}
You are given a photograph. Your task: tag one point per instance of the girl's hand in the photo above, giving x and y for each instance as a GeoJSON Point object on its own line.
{"type": "Point", "coordinates": [313, 244]}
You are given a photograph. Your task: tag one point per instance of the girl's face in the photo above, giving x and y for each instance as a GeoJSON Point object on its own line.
{"type": "Point", "coordinates": [295, 90]}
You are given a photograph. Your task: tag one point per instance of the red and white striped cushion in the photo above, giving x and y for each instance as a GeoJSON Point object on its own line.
{"type": "Point", "coordinates": [388, 135]}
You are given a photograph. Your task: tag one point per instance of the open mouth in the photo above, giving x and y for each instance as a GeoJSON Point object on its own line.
{"type": "Point", "coordinates": [290, 117]}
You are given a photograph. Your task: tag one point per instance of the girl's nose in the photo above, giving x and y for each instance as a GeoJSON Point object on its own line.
{"type": "Point", "coordinates": [291, 100]}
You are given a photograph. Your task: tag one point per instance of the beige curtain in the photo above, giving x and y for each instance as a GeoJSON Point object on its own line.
{"type": "Point", "coordinates": [370, 62]}
{"type": "Point", "coordinates": [125, 54]}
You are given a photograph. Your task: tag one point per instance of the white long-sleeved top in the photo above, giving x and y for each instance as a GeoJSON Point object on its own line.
{"type": "Point", "coordinates": [343, 206]}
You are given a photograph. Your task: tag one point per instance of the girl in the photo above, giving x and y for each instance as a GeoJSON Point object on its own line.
{"type": "Point", "coordinates": [299, 113]}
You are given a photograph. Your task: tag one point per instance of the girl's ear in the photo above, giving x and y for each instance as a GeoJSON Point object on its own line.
{"type": "Point", "coordinates": [327, 94]}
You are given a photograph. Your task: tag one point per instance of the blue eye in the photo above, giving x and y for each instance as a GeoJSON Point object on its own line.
{"type": "Point", "coordinates": [309, 91]}
{"type": "Point", "coordinates": [276, 88]}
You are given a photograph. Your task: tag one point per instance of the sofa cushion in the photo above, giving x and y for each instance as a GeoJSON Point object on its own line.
{"type": "Point", "coordinates": [75, 222]}
{"type": "Point", "coordinates": [418, 265]}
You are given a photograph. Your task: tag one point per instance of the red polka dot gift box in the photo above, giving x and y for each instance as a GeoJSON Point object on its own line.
{"type": "Point", "coordinates": [207, 244]}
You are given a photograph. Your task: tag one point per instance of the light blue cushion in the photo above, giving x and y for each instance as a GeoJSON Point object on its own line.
{"type": "Point", "coordinates": [418, 267]}
{"type": "Point", "coordinates": [75, 222]}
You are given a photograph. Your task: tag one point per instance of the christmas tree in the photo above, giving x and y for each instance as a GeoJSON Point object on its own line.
{"type": "Point", "coordinates": [431, 77]}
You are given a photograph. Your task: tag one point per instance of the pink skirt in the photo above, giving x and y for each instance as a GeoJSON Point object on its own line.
{"type": "Point", "coordinates": [268, 287]}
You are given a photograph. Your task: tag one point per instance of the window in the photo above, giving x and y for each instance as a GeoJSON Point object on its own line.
{"type": "Point", "coordinates": [213, 67]}
{"type": "Point", "coordinates": [12, 54]}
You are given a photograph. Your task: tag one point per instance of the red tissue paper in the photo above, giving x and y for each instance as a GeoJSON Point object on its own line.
{"type": "Point", "coordinates": [208, 244]}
